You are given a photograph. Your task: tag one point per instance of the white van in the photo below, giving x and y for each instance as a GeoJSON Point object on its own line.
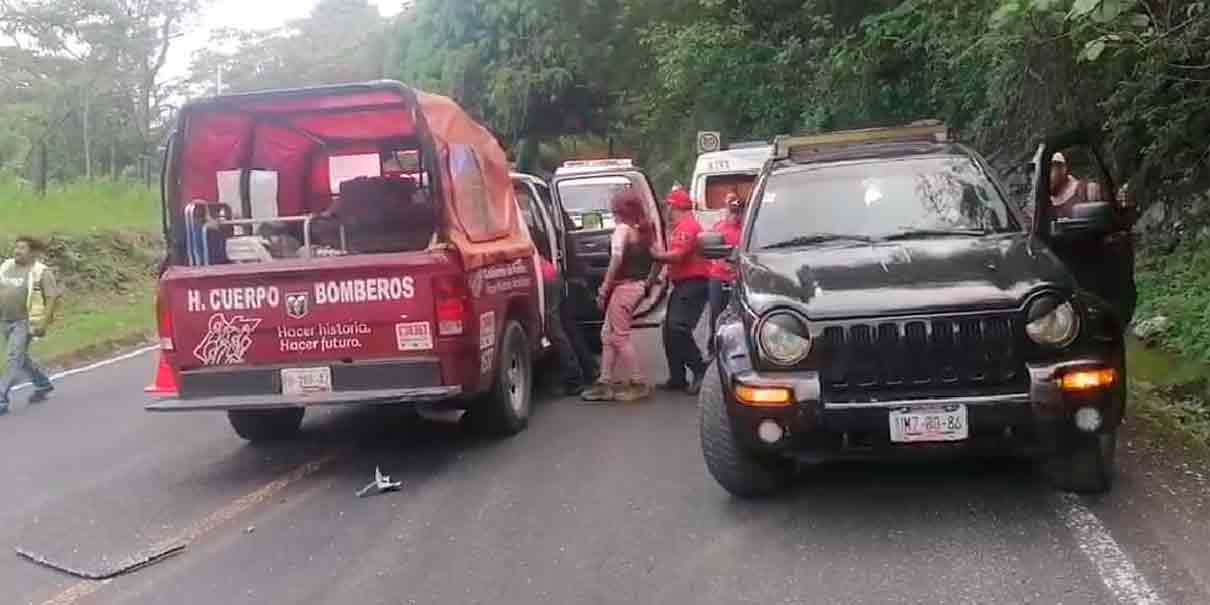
{"type": "Point", "coordinates": [717, 172]}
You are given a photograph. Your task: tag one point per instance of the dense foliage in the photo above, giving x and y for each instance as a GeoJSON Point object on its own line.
{"type": "Point", "coordinates": [82, 90]}
{"type": "Point", "coordinates": [1003, 72]}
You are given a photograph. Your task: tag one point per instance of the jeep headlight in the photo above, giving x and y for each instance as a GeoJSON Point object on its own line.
{"type": "Point", "coordinates": [783, 338]}
{"type": "Point", "coordinates": [1052, 322]}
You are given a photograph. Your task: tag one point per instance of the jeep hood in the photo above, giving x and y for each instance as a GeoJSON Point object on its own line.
{"type": "Point", "coordinates": [936, 275]}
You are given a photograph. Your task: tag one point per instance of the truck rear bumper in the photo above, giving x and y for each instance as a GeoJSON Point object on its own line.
{"type": "Point", "coordinates": [277, 401]}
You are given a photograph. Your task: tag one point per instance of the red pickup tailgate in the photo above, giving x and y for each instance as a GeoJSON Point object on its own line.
{"type": "Point", "coordinates": [346, 308]}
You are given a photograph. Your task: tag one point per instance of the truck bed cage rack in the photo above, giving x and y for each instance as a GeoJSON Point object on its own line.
{"type": "Point", "coordinates": [217, 215]}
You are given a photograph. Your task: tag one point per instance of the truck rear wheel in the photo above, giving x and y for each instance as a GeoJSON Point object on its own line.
{"type": "Point", "coordinates": [1087, 468]}
{"type": "Point", "coordinates": [266, 425]}
{"type": "Point", "coordinates": [736, 469]}
{"type": "Point", "coordinates": [504, 410]}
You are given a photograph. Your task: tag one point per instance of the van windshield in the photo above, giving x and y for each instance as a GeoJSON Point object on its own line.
{"type": "Point", "coordinates": [924, 197]}
{"type": "Point", "coordinates": [589, 197]}
{"type": "Point", "coordinates": [717, 186]}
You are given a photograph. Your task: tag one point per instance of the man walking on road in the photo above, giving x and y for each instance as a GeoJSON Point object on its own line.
{"type": "Point", "coordinates": [690, 275]}
{"type": "Point", "coordinates": [28, 298]}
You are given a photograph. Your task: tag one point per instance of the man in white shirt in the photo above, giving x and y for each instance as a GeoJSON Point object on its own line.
{"type": "Point", "coordinates": [29, 296]}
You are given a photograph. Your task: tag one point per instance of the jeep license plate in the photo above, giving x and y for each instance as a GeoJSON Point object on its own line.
{"type": "Point", "coordinates": [301, 382]}
{"type": "Point", "coordinates": [922, 425]}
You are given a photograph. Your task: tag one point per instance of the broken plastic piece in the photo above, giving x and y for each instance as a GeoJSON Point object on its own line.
{"type": "Point", "coordinates": [132, 564]}
{"type": "Point", "coordinates": [381, 483]}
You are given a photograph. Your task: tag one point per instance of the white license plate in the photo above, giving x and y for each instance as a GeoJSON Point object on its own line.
{"type": "Point", "coordinates": [306, 381]}
{"type": "Point", "coordinates": [923, 425]}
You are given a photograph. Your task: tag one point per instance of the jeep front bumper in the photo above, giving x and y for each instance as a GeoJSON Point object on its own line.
{"type": "Point", "coordinates": [1037, 421]}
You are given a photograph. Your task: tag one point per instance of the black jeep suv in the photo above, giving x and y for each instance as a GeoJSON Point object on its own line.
{"type": "Point", "coordinates": [892, 302]}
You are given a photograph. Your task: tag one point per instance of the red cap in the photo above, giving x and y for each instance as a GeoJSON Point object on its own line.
{"type": "Point", "coordinates": [679, 200]}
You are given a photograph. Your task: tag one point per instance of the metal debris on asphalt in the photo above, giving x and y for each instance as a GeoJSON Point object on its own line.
{"type": "Point", "coordinates": [381, 483]}
{"type": "Point", "coordinates": [130, 565]}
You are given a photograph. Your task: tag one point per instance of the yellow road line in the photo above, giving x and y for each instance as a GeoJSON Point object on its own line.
{"type": "Point", "coordinates": [204, 526]}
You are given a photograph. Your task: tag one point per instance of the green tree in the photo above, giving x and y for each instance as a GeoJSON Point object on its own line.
{"type": "Point", "coordinates": [340, 41]}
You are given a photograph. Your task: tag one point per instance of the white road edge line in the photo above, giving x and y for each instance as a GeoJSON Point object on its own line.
{"type": "Point", "coordinates": [94, 366]}
{"type": "Point", "coordinates": [1117, 572]}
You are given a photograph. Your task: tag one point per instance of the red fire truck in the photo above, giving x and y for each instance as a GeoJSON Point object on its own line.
{"type": "Point", "coordinates": [352, 244]}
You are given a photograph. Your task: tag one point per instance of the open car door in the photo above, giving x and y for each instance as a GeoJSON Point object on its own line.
{"type": "Point", "coordinates": [582, 200]}
{"type": "Point", "coordinates": [1093, 235]}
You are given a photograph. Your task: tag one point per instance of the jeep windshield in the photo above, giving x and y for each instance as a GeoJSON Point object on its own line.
{"type": "Point", "coordinates": [915, 198]}
{"type": "Point", "coordinates": [590, 195]}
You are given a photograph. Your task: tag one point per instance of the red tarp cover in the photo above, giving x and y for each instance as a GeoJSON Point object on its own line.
{"type": "Point", "coordinates": [290, 129]}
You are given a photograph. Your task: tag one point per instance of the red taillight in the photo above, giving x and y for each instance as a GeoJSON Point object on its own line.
{"type": "Point", "coordinates": [451, 302]}
{"type": "Point", "coordinates": [163, 311]}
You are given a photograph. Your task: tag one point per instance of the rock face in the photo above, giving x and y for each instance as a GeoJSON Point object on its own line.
{"type": "Point", "coordinates": [1154, 327]}
{"type": "Point", "coordinates": [1152, 218]}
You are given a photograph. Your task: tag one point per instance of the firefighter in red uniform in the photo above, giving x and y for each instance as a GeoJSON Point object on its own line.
{"type": "Point", "coordinates": [690, 276]}
{"type": "Point", "coordinates": [722, 273]}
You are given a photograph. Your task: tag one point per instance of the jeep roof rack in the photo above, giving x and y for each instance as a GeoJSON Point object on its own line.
{"type": "Point", "coordinates": [930, 131]}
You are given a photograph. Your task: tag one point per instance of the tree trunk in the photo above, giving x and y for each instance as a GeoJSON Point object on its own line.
{"type": "Point", "coordinates": [527, 154]}
{"type": "Point", "coordinates": [41, 157]}
{"type": "Point", "coordinates": [113, 159]}
{"type": "Point", "coordinates": [87, 140]}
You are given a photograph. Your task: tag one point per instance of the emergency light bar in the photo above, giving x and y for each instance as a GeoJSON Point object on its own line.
{"type": "Point", "coordinates": [613, 163]}
{"type": "Point", "coordinates": [924, 131]}
{"type": "Point", "coordinates": [748, 145]}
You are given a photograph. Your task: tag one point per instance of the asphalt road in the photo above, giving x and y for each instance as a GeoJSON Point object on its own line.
{"type": "Point", "coordinates": [592, 504]}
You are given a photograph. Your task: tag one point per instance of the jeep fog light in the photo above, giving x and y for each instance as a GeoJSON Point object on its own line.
{"type": "Point", "coordinates": [1088, 419]}
{"type": "Point", "coordinates": [770, 431]}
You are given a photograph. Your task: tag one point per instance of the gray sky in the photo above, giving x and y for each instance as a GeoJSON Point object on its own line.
{"type": "Point", "coordinates": [245, 14]}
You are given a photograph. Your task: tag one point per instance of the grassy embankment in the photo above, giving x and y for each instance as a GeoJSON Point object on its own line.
{"type": "Point", "coordinates": [104, 245]}
{"type": "Point", "coordinates": [1170, 384]}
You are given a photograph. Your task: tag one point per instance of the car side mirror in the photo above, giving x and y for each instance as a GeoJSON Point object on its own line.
{"type": "Point", "coordinates": [714, 247]}
{"type": "Point", "coordinates": [1087, 220]}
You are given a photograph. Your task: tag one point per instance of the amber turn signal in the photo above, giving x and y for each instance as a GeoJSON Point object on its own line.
{"type": "Point", "coordinates": [1088, 380]}
{"type": "Point", "coordinates": [764, 397]}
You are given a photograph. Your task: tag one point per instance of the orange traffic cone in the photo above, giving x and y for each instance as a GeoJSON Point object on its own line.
{"type": "Point", "coordinates": [165, 381]}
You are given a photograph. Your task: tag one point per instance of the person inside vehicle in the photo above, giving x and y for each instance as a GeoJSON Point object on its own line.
{"type": "Point", "coordinates": [630, 268]}
{"type": "Point", "coordinates": [1066, 190]}
{"type": "Point", "coordinates": [585, 355]}
{"type": "Point", "coordinates": [722, 273]}
{"type": "Point", "coordinates": [566, 353]}
{"type": "Point", "coordinates": [1103, 273]}
{"type": "Point", "coordinates": [690, 275]}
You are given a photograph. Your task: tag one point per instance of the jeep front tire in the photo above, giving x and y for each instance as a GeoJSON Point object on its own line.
{"type": "Point", "coordinates": [1087, 467]}
{"type": "Point", "coordinates": [740, 472]}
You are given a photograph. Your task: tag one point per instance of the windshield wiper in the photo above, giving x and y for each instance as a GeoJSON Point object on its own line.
{"type": "Point", "coordinates": [817, 238]}
{"type": "Point", "coordinates": [926, 233]}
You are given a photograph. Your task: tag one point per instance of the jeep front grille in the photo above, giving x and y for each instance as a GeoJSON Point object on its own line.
{"type": "Point", "coordinates": [957, 356]}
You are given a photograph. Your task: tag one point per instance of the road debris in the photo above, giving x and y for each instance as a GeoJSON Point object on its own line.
{"type": "Point", "coordinates": [381, 483]}
{"type": "Point", "coordinates": [133, 564]}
